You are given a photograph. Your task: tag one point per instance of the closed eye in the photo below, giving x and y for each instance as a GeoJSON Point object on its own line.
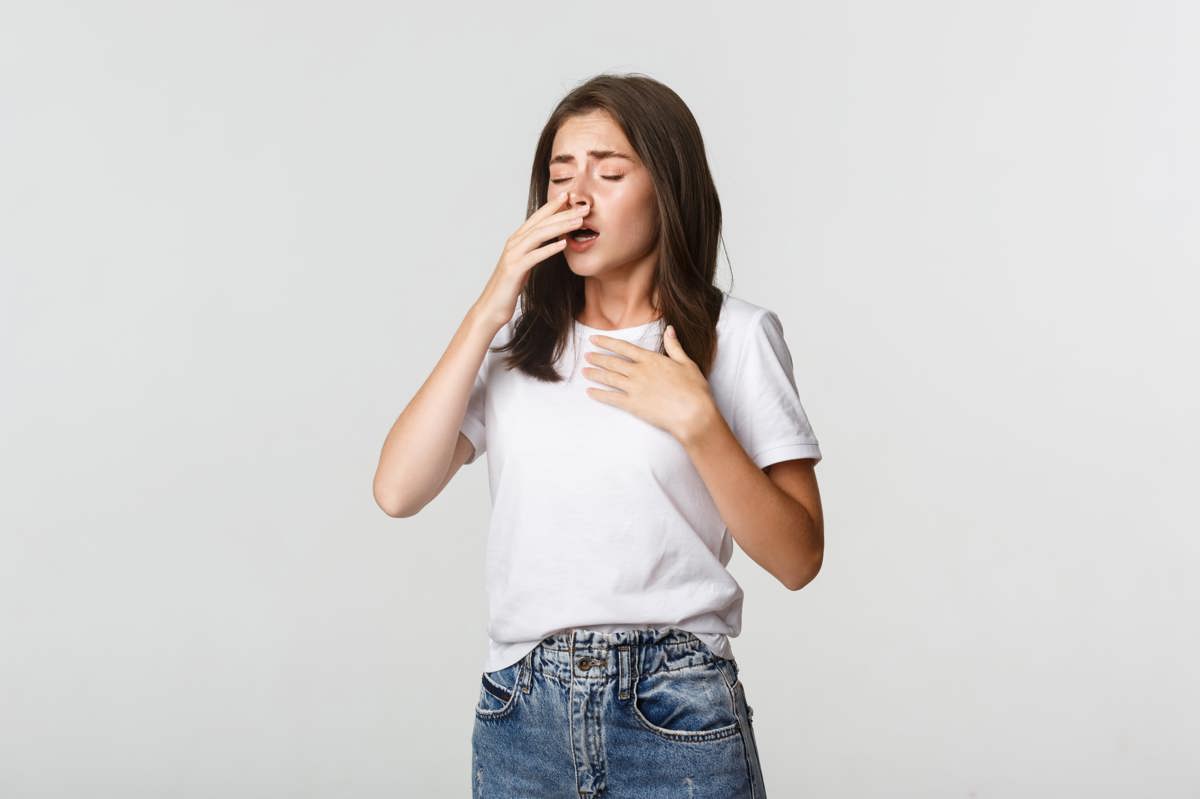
{"type": "Point", "coordinates": [606, 177]}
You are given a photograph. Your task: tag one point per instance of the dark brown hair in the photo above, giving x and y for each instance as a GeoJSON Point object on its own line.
{"type": "Point", "coordinates": [665, 136]}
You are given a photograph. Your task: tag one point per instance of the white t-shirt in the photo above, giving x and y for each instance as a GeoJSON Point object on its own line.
{"type": "Point", "coordinates": [599, 519]}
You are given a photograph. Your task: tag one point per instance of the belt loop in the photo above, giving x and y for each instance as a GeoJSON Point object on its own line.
{"type": "Point", "coordinates": [526, 676]}
{"type": "Point", "coordinates": [623, 671]}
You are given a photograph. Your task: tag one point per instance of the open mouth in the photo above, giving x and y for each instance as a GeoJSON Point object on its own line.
{"type": "Point", "coordinates": [584, 234]}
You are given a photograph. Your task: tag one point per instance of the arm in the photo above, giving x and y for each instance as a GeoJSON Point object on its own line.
{"type": "Point", "coordinates": [774, 514]}
{"type": "Point", "coordinates": [424, 447]}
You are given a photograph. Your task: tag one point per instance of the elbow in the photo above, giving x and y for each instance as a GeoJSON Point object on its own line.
{"type": "Point", "coordinates": [395, 511]}
{"type": "Point", "coordinates": [393, 505]}
{"type": "Point", "coordinates": [805, 576]}
{"type": "Point", "coordinates": [389, 507]}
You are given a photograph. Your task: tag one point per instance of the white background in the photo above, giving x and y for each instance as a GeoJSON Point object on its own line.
{"type": "Point", "coordinates": [237, 236]}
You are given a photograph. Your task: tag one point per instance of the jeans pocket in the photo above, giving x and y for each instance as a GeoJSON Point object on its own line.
{"type": "Point", "coordinates": [688, 704]}
{"type": "Point", "coordinates": [498, 692]}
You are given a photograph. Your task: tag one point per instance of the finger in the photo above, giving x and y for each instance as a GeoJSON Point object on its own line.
{"type": "Point", "coordinates": [620, 346]}
{"type": "Point", "coordinates": [607, 396]}
{"type": "Point", "coordinates": [610, 363]}
{"type": "Point", "coordinates": [534, 257]}
{"type": "Point", "coordinates": [550, 230]}
{"type": "Point", "coordinates": [607, 377]}
{"type": "Point", "coordinates": [547, 211]}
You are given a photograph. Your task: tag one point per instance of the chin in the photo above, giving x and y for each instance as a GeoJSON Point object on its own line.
{"type": "Point", "coordinates": [584, 271]}
{"type": "Point", "coordinates": [585, 266]}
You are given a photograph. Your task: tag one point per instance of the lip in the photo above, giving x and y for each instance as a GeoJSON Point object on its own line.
{"type": "Point", "coordinates": [580, 246]}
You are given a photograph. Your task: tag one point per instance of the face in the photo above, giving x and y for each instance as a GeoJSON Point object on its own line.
{"type": "Point", "coordinates": [592, 159]}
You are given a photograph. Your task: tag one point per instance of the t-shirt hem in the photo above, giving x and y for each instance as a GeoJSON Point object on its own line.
{"type": "Point", "coordinates": [786, 451]}
{"type": "Point", "coordinates": [473, 429]}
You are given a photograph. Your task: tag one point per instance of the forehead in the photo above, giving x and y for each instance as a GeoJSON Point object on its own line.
{"type": "Point", "coordinates": [595, 130]}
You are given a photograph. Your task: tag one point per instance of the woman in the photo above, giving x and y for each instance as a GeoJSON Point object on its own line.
{"type": "Point", "coordinates": [641, 420]}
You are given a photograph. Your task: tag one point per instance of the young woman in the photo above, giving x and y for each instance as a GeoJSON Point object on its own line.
{"type": "Point", "coordinates": [641, 421]}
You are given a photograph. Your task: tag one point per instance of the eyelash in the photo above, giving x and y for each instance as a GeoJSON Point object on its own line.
{"type": "Point", "coordinates": [606, 177]}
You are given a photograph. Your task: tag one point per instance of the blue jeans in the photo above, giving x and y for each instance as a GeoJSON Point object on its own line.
{"type": "Point", "coordinates": [648, 713]}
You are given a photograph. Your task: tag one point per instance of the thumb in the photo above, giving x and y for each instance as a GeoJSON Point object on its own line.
{"type": "Point", "coordinates": [672, 346]}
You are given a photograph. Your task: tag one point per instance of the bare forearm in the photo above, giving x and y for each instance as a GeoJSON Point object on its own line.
{"type": "Point", "coordinates": [420, 444]}
{"type": "Point", "coordinates": [774, 529]}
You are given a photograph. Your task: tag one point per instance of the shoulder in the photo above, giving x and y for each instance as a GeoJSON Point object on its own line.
{"type": "Point", "coordinates": [740, 329]}
{"type": "Point", "coordinates": [742, 321]}
{"type": "Point", "coordinates": [739, 313]}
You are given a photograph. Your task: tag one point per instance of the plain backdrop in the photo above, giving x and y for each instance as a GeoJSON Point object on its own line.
{"type": "Point", "coordinates": [236, 237]}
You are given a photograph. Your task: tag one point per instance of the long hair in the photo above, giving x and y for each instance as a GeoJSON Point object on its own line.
{"type": "Point", "coordinates": [665, 136]}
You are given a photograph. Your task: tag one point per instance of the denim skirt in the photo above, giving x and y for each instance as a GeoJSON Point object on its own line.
{"type": "Point", "coordinates": [647, 713]}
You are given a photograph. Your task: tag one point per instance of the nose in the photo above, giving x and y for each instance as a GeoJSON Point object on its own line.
{"type": "Point", "coordinates": [580, 197]}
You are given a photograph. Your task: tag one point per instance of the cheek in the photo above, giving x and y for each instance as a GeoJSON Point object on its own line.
{"type": "Point", "coordinates": [637, 218]}
{"type": "Point", "coordinates": [645, 229]}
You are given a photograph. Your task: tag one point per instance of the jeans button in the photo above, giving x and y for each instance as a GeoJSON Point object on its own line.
{"type": "Point", "coordinates": [585, 664]}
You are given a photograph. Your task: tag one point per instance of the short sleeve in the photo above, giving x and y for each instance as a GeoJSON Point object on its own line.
{"type": "Point", "coordinates": [472, 425]}
{"type": "Point", "coordinates": [767, 417]}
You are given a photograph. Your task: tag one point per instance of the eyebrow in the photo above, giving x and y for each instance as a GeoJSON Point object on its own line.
{"type": "Point", "coordinates": [567, 158]}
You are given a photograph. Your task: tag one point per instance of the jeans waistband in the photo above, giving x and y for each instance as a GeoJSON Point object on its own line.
{"type": "Point", "coordinates": [585, 654]}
